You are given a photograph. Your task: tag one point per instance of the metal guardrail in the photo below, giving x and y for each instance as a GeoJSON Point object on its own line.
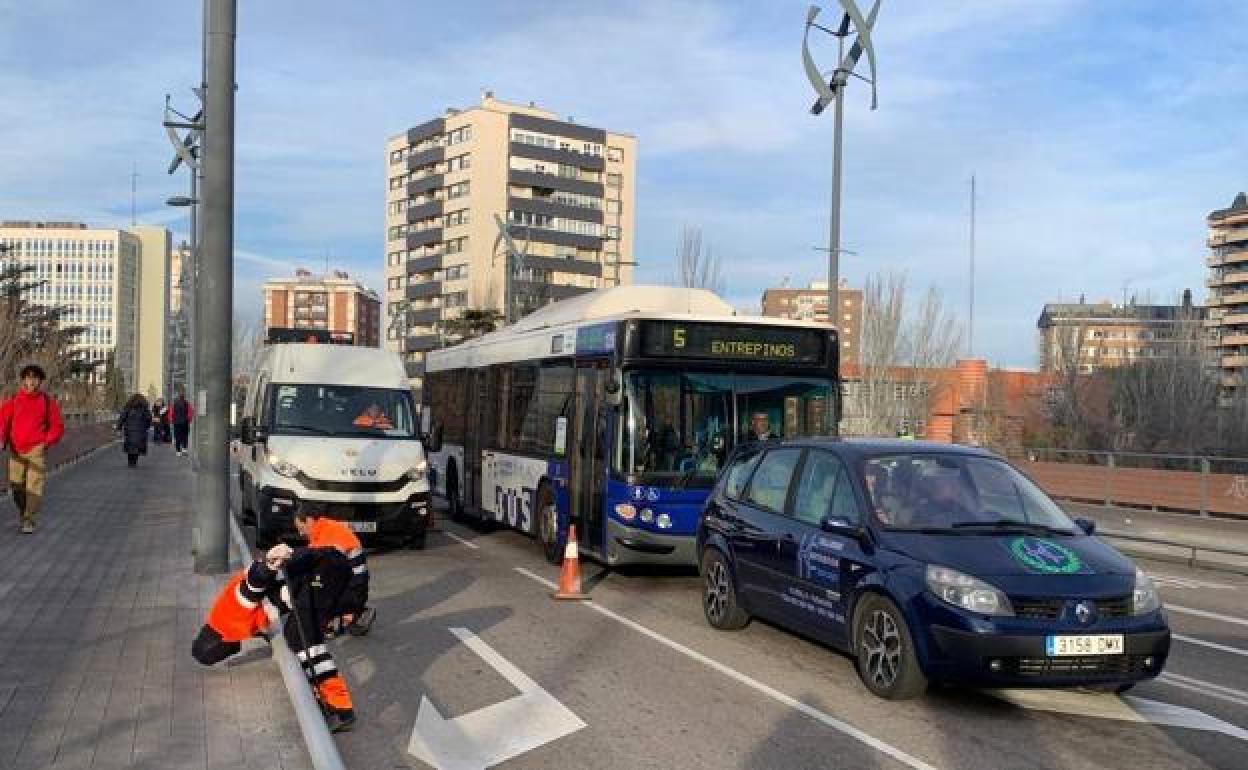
{"type": "Point", "coordinates": [1192, 548]}
{"type": "Point", "coordinates": [320, 744]}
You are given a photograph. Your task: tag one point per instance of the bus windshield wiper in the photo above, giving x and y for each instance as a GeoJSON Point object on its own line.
{"type": "Point", "coordinates": [1008, 525]}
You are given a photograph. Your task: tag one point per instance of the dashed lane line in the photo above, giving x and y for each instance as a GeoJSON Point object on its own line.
{"type": "Point", "coordinates": [462, 541]}
{"type": "Point", "coordinates": [748, 681]}
{"type": "Point", "coordinates": [1202, 687]}
{"type": "Point", "coordinates": [1206, 614]}
{"type": "Point", "coordinates": [1210, 645]}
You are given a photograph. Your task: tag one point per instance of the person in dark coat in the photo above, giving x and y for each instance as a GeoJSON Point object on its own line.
{"type": "Point", "coordinates": [134, 422]}
{"type": "Point", "coordinates": [160, 430]}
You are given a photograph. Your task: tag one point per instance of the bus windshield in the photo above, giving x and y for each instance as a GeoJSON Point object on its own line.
{"type": "Point", "coordinates": [341, 410]}
{"type": "Point", "coordinates": [685, 423]}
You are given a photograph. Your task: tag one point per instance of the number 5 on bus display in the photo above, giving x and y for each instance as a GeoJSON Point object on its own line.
{"type": "Point", "coordinates": [678, 337]}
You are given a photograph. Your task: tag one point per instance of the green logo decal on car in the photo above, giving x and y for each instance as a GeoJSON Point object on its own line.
{"type": "Point", "coordinates": [1046, 556]}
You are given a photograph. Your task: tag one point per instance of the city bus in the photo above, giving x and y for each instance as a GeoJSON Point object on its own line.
{"type": "Point", "coordinates": [615, 410]}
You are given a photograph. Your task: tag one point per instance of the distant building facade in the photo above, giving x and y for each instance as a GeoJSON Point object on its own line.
{"type": "Point", "coordinates": [1228, 295]}
{"type": "Point", "coordinates": [334, 302]}
{"type": "Point", "coordinates": [112, 282]}
{"type": "Point", "coordinates": [1102, 335]}
{"type": "Point", "coordinates": [811, 304]}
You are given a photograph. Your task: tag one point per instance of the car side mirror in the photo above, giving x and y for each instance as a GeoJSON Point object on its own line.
{"type": "Point", "coordinates": [1087, 525]}
{"type": "Point", "coordinates": [433, 440]}
{"type": "Point", "coordinates": [247, 431]}
{"type": "Point", "coordinates": [839, 525]}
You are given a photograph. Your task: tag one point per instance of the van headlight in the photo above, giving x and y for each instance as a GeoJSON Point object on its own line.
{"type": "Point", "coordinates": [419, 471]}
{"type": "Point", "coordinates": [1144, 598]}
{"type": "Point", "coordinates": [967, 592]}
{"type": "Point", "coordinates": [282, 467]}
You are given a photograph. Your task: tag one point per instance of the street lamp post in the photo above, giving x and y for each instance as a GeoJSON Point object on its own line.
{"type": "Point", "coordinates": [831, 91]}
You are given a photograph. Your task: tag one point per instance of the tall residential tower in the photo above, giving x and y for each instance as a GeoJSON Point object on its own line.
{"type": "Point", "coordinates": [565, 191]}
{"type": "Point", "coordinates": [1228, 294]}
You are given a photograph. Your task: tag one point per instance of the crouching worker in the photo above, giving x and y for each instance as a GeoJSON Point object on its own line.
{"type": "Point", "coordinates": [314, 581]}
{"type": "Point", "coordinates": [354, 615]}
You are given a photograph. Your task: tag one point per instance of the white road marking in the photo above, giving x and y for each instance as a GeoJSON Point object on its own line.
{"type": "Point", "coordinates": [496, 733]}
{"type": "Point", "coordinates": [1126, 708]}
{"type": "Point", "coordinates": [748, 681]}
{"type": "Point", "coordinates": [463, 541]}
{"type": "Point", "coordinates": [1174, 581]}
{"type": "Point", "coordinates": [1207, 614]}
{"type": "Point", "coordinates": [1209, 689]}
{"type": "Point", "coordinates": [1210, 645]}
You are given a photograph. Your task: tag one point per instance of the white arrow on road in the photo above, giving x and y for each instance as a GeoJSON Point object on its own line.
{"type": "Point", "coordinates": [496, 733]}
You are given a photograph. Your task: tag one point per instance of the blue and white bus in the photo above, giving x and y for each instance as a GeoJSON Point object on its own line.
{"type": "Point", "coordinates": [615, 410]}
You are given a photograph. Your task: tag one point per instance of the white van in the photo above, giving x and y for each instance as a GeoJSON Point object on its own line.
{"type": "Point", "coordinates": [332, 429]}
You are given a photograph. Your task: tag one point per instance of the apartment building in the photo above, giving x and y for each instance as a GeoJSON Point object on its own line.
{"type": "Point", "coordinates": [1228, 295]}
{"type": "Point", "coordinates": [334, 302]}
{"type": "Point", "coordinates": [564, 191]}
{"type": "Point", "coordinates": [179, 324]}
{"type": "Point", "coordinates": [112, 282]}
{"type": "Point", "coordinates": [1102, 335]}
{"type": "Point", "coordinates": [811, 304]}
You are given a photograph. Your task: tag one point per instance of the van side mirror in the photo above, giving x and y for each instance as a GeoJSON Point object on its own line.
{"type": "Point", "coordinates": [1087, 525]}
{"type": "Point", "coordinates": [614, 388]}
{"type": "Point", "coordinates": [433, 439]}
{"type": "Point", "coordinates": [839, 525]}
{"type": "Point", "coordinates": [247, 431]}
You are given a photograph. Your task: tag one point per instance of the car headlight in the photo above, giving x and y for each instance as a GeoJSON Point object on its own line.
{"type": "Point", "coordinates": [282, 467]}
{"type": "Point", "coordinates": [1144, 598]}
{"type": "Point", "coordinates": [966, 592]}
{"type": "Point", "coordinates": [419, 471]}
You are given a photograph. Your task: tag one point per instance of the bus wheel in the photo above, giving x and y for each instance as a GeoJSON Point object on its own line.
{"type": "Point", "coordinates": [548, 524]}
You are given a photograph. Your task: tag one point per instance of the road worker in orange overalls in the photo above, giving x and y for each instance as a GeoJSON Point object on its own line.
{"type": "Point", "coordinates": [356, 617]}
{"type": "Point", "coordinates": [314, 581]}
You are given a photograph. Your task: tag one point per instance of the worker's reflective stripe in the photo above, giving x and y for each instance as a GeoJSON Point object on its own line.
{"type": "Point", "coordinates": [360, 570]}
{"type": "Point", "coordinates": [354, 552]}
{"type": "Point", "coordinates": [312, 652]}
{"type": "Point", "coordinates": [242, 599]}
{"type": "Point", "coordinates": [324, 667]}
{"type": "Point", "coordinates": [285, 595]}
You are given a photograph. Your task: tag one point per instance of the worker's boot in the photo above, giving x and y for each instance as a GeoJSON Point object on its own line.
{"type": "Point", "coordinates": [339, 720]}
{"type": "Point", "coordinates": [363, 622]}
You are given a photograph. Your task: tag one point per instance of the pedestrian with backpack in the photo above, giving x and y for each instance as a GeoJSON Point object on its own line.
{"type": "Point", "coordinates": [30, 424]}
{"type": "Point", "coordinates": [133, 424]}
{"type": "Point", "coordinates": [180, 416]}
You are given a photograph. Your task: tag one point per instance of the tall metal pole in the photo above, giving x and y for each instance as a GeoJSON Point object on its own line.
{"type": "Point", "coordinates": [970, 315]}
{"type": "Point", "coordinates": [197, 325]}
{"type": "Point", "coordinates": [212, 506]}
{"type": "Point", "coordinates": [834, 216]}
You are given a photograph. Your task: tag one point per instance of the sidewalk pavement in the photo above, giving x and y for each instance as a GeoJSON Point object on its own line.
{"type": "Point", "coordinates": [97, 612]}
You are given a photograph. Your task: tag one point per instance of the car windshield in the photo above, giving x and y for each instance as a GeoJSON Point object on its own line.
{"type": "Point", "coordinates": [965, 493]}
{"type": "Point", "coordinates": [686, 423]}
{"type": "Point", "coordinates": [341, 410]}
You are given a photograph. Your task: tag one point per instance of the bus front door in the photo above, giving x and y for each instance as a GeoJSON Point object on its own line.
{"type": "Point", "coordinates": [587, 457]}
{"type": "Point", "coordinates": [474, 399]}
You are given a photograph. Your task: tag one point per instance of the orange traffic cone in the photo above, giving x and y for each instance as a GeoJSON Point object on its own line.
{"type": "Point", "coordinates": [570, 574]}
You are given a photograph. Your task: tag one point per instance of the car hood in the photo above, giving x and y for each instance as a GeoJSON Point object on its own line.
{"type": "Point", "coordinates": [1026, 558]}
{"type": "Point", "coordinates": [348, 459]}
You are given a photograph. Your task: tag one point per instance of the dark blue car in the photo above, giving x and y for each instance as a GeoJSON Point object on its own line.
{"type": "Point", "coordinates": [926, 562]}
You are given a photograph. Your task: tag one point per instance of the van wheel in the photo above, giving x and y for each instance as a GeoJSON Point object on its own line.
{"type": "Point", "coordinates": [719, 593]}
{"type": "Point", "coordinates": [887, 663]}
{"type": "Point", "coordinates": [547, 524]}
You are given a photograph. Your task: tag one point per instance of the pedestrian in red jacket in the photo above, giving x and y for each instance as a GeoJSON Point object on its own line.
{"type": "Point", "coordinates": [30, 423]}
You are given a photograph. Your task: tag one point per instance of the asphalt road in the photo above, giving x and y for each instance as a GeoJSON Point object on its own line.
{"type": "Point", "coordinates": [643, 681]}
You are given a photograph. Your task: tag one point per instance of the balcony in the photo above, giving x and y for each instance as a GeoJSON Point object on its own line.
{"type": "Point", "coordinates": [420, 343]}
{"type": "Point", "coordinates": [426, 290]}
{"type": "Point", "coordinates": [1233, 339]}
{"type": "Point", "coordinates": [418, 265]}
{"type": "Point", "coordinates": [1233, 320]}
{"type": "Point", "coordinates": [554, 182]}
{"type": "Point", "coordinates": [577, 266]}
{"type": "Point", "coordinates": [425, 130]}
{"type": "Point", "coordinates": [1231, 381]}
{"type": "Point", "coordinates": [424, 316]}
{"type": "Point", "coordinates": [551, 208]}
{"type": "Point", "coordinates": [423, 185]}
{"type": "Point", "coordinates": [422, 211]}
{"type": "Point", "coordinates": [425, 157]}
{"type": "Point", "coordinates": [1234, 362]}
{"type": "Point", "coordinates": [424, 238]}
{"type": "Point", "coordinates": [557, 237]}
{"type": "Point", "coordinates": [1231, 235]}
{"type": "Point", "coordinates": [565, 157]}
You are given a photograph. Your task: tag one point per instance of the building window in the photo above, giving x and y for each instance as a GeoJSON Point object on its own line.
{"type": "Point", "coordinates": [456, 245]}
{"type": "Point", "coordinates": [455, 299]}
{"type": "Point", "coordinates": [458, 190]}
{"type": "Point", "coordinates": [456, 272]}
{"type": "Point", "coordinates": [459, 162]}
{"type": "Point", "coordinates": [613, 206]}
{"type": "Point", "coordinates": [455, 218]}
{"type": "Point", "coordinates": [613, 180]}
{"type": "Point", "coordinates": [615, 154]}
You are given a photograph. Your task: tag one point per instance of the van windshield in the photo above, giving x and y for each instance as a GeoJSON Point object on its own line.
{"type": "Point", "coordinates": [340, 410]}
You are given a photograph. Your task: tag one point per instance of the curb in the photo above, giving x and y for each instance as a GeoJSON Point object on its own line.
{"type": "Point", "coordinates": [316, 737]}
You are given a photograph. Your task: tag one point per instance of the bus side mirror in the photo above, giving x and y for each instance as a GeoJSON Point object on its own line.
{"type": "Point", "coordinates": [613, 389]}
{"type": "Point", "coordinates": [433, 439]}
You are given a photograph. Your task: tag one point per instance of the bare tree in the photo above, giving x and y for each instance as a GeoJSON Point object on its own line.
{"type": "Point", "coordinates": [899, 355]}
{"type": "Point", "coordinates": [248, 341]}
{"type": "Point", "coordinates": [697, 266]}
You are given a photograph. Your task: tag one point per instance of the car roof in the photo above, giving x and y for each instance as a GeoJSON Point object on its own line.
{"type": "Point", "coordinates": [871, 447]}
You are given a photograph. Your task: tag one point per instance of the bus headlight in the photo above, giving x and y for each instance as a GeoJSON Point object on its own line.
{"type": "Point", "coordinates": [626, 511]}
{"type": "Point", "coordinates": [419, 471]}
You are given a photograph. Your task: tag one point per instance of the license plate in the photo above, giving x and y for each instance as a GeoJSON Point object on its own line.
{"type": "Point", "coordinates": [362, 526]}
{"type": "Point", "coordinates": [1085, 644]}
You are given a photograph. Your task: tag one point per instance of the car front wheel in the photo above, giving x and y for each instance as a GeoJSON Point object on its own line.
{"type": "Point", "coordinates": [719, 593]}
{"type": "Point", "coordinates": [887, 663]}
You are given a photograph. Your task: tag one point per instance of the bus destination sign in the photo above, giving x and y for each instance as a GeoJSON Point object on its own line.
{"type": "Point", "coordinates": [727, 341]}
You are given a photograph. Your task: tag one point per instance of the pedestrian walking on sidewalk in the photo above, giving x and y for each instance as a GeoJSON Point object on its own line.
{"type": "Point", "coordinates": [160, 429]}
{"type": "Point", "coordinates": [30, 424]}
{"type": "Point", "coordinates": [314, 579]}
{"type": "Point", "coordinates": [181, 415]}
{"type": "Point", "coordinates": [134, 422]}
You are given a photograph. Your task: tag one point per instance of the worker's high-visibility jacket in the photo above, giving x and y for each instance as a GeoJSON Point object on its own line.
{"type": "Point", "coordinates": [237, 614]}
{"type": "Point", "coordinates": [325, 533]}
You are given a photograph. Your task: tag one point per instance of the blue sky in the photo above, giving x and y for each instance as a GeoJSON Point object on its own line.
{"type": "Point", "coordinates": [1100, 132]}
